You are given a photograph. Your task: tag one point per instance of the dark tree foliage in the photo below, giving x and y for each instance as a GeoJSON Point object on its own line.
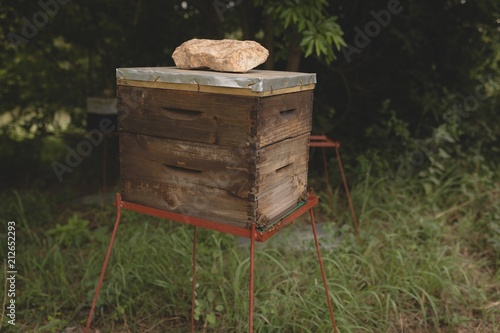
{"type": "Point", "coordinates": [429, 50]}
{"type": "Point", "coordinates": [396, 83]}
{"type": "Point", "coordinates": [415, 84]}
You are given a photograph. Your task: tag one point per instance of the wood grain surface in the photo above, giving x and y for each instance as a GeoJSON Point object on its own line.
{"type": "Point", "coordinates": [214, 118]}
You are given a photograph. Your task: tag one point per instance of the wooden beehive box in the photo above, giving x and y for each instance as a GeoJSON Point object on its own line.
{"type": "Point", "coordinates": [231, 148]}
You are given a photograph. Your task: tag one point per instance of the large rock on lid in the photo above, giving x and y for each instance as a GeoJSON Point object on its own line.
{"type": "Point", "coordinates": [225, 55]}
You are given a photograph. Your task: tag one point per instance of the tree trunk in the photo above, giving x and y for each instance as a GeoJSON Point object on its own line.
{"type": "Point", "coordinates": [247, 20]}
{"type": "Point", "coordinates": [269, 41]}
{"type": "Point", "coordinates": [213, 24]}
{"type": "Point", "coordinates": [295, 52]}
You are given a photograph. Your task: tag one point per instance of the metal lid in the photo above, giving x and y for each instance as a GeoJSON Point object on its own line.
{"type": "Point", "coordinates": [258, 81]}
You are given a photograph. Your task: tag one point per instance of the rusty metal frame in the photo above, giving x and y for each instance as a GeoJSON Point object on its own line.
{"type": "Point", "coordinates": [260, 235]}
{"type": "Point", "coordinates": [253, 234]}
{"type": "Point", "coordinates": [322, 141]}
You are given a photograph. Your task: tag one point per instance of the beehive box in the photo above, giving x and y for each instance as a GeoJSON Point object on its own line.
{"type": "Point", "coordinates": [231, 148]}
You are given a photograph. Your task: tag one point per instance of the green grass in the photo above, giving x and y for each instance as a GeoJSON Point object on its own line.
{"type": "Point", "coordinates": [423, 262]}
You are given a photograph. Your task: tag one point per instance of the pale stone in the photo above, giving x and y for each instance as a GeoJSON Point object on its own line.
{"type": "Point", "coordinates": [225, 55]}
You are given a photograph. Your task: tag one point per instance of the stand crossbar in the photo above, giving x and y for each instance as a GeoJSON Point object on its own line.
{"type": "Point", "coordinates": [322, 141]}
{"type": "Point", "coordinates": [261, 234]}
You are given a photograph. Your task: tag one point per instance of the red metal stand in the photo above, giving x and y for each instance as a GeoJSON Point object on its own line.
{"type": "Point", "coordinates": [193, 285]}
{"type": "Point", "coordinates": [323, 142]}
{"type": "Point", "coordinates": [105, 265]}
{"type": "Point", "coordinates": [322, 267]}
{"type": "Point", "coordinates": [254, 234]}
{"type": "Point", "coordinates": [251, 293]}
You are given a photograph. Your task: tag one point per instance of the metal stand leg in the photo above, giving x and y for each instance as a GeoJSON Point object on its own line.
{"type": "Point", "coordinates": [252, 251]}
{"type": "Point", "coordinates": [330, 306]}
{"type": "Point", "coordinates": [193, 286]}
{"type": "Point", "coordinates": [104, 266]}
{"type": "Point", "coordinates": [327, 177]}
{"type": "Point", "coordinates": [353, 214]}
{"type": "Point", "coordinates": [104, 164]}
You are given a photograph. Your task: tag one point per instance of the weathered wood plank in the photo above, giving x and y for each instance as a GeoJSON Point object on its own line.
{"type": "Point", "coordinates": [219, 183]}
{"type": "Point", "coordinates": [276, 156]}
{"type": "Point", "coordinates": [282, 177]}
{"type": "Point", "coordinates": [279, 163]}
{"type": "Point", "coordinates": [191, 116]}
{"type": "Point", "coordinates": [180, 163]}
{"type": "Point", "coordinates": [284, 116]}
{"type": "Point", "coordinates": [278, 199]}
{"type": "Point", "coordinates": [213, 118]}
{"type": "Point", "coordinates": [202, 202]}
